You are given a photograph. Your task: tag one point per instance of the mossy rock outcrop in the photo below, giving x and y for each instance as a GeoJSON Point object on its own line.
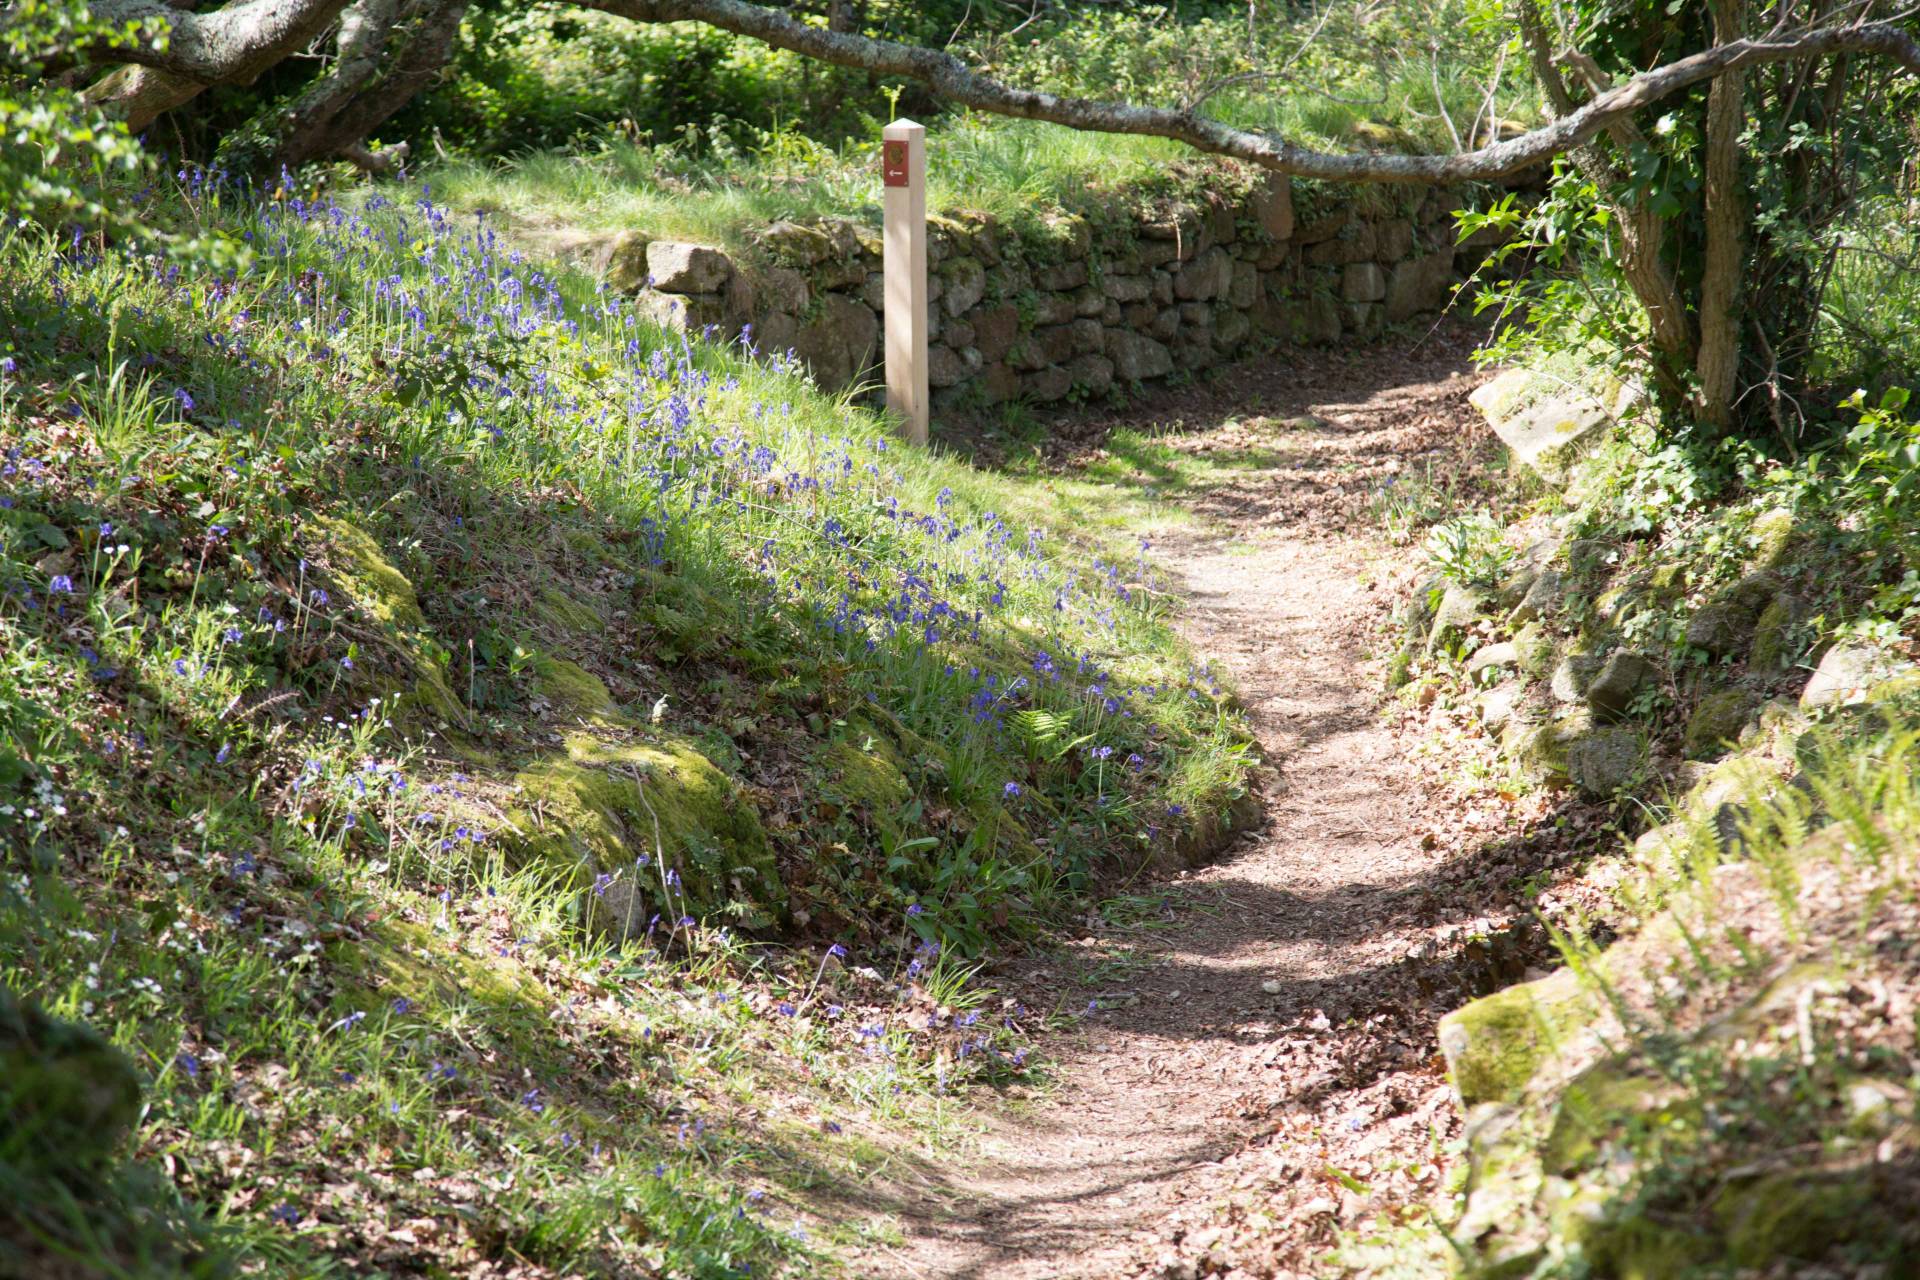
{"type": "Point", "coordinates": [573, 691]}
{"type": "Point", "coordinates": [69, 1096]}
{"type": "Point", "coordinates": [1718, 722]}
{"type": "Point", "coordinates": [865, 771]}
{"type": "Point", "coordinates": [1725, 625]}
{"type": "Point", "coordinates": [1773, 538]}
{"type": "Point", "coordinates": [649, 813]}
{"type": "Point", "coordinates": [1495, 1046]}
{"type": "Point", "coordinates": [1772, 634]}
{"type": "Point", "coordinates": [388, 598]}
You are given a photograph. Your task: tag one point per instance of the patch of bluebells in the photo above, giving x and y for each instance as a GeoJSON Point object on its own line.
{"type": "Point", "coordinates": [887, 572]}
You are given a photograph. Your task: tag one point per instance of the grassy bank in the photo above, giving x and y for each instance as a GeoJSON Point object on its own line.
{"type": "Point", "coordinates": [517, 791]}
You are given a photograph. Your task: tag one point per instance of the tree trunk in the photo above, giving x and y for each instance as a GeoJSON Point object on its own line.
{"type": "Point", "coordinates": [386, 52]}
{"type": "Point", "coordinates": [1726, 217]}
{"type": "Point", "coordinates": [1641, 233]}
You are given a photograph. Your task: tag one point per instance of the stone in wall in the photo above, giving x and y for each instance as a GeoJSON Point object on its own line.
{"type": "Point", "coordinates": [1137, 358]}
{"type": "Point", "coordinates": [676, 267]}
{"type": "Point", "coordinates": [1209, 275]}
{"type": "Point", "coordinates": [1057, 311]}
{"type": "Point", "coordinates": [1419, 284]}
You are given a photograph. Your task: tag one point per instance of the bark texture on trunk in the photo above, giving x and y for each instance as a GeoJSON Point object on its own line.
{"type": "Point", "coordinates": [233, 45]}
{"type": "Point", "coordinates": [1642, 234]}
{"type": "Point", "coordinates": [388, 51]}
{"type": "Point", "coordinates": [1727, 213]}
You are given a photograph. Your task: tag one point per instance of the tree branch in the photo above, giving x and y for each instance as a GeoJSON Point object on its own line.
{"type": "Point", "coordinates": [952, 79]}
{"type": "Point", "coordinates": [233, 45]}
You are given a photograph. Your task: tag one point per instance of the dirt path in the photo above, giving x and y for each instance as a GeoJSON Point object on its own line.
{"type": "Point", "coordinates": [1275, 1015]}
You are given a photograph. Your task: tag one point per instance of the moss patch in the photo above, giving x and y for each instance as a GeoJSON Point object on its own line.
{"type": "Point", "coordinates": [1717, 721]}
{"type": "Point", "coordinates": [386, 594]}
{"type": "Point", "coordinates": [650, 814]}
{"type": "Point", "coordinates": [573, 690]}
{"type": "Point", "coordinates": [563, 612]}
{"type": "Point", "coordinates": [1496, 1044]}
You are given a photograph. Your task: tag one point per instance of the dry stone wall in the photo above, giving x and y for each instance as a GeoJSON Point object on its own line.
{"type": "Point", "coordinates": [1068, 306]}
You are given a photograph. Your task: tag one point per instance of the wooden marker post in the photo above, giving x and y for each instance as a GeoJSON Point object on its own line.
{"type": "Point", "coordinates": [903, 175]}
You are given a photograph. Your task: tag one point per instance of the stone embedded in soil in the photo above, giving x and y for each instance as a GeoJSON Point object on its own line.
{"type": "Point", "coordinates": [1460, 607]}
{"type": "Point", "coordinates": [1623, 675]}
{"type": "Point", "coordinates": [1545, 422]}
{"type": "Point", "coordinates": [1717, 722]}
{"type": "Point", "coordinates": [1574, 676]}
{"type": "Point", "coordinates": [1845, 673]}
{"type": "Point", "coordinates": [1606, 761]}
{"type": "Point", "coordinates": [1545, 596]}
{"type": "Point", "coordinates": [1726, 623]}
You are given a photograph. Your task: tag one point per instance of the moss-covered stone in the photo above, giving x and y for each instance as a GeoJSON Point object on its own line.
{"type": "Point", "coordinates": [561, 611]}
{"type": "Point", "coordinates": [1495, 1045]}
{"type": "Point", "coordinates": [388, 597]}
{"type": "Point", "coordinates": [1619, 680]}
{"type": "Point", "coordinates": [1546, 595]}
{"type": "Point", "coordinates": [1794, 1213]}
{"type": "Point", "coordinates": [1539, 749]}
{"type": "Point", "coordinates": [1771, 634]}
{"type": "Point", "coordinates": [1595, 1108]}
{"type": "Point", "coordinates": [68, 1095]}
{"type": "Point", "coordinates": [1605, 761]}
{"type": "Point", "coordinates": [1725, 624]}
{"type": "Point", "coordinates": [376, 586]}
{"type": "Point", "coordinates": [1573, 674]}
{"type": "Point", "coordinates": [1772, 535]}
{"type": "Point", "coordinates": [573, 691]}
{"type": "Point", "coordinates": [1717, 722]}
{"type": "Point", "coordinates": [1535, 650]}
{"type": "Point", "coordinates": [866, 774]}
{"type": "Point", "coordinates": [1460, 607]}
{"type": "Point", "coordinates": [640, 810]}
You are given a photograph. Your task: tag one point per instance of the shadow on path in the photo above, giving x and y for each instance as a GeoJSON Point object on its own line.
{"type": "Point", "coordinates": [1275, 1012]}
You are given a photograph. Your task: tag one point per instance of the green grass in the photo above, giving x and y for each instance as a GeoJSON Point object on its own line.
{"type": "Point", "coordinates": [318, 570]}
{"type": "Point", "coordinates": [1014, 171]}
{"type": "Point", "coordinates": [1391, 81]}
